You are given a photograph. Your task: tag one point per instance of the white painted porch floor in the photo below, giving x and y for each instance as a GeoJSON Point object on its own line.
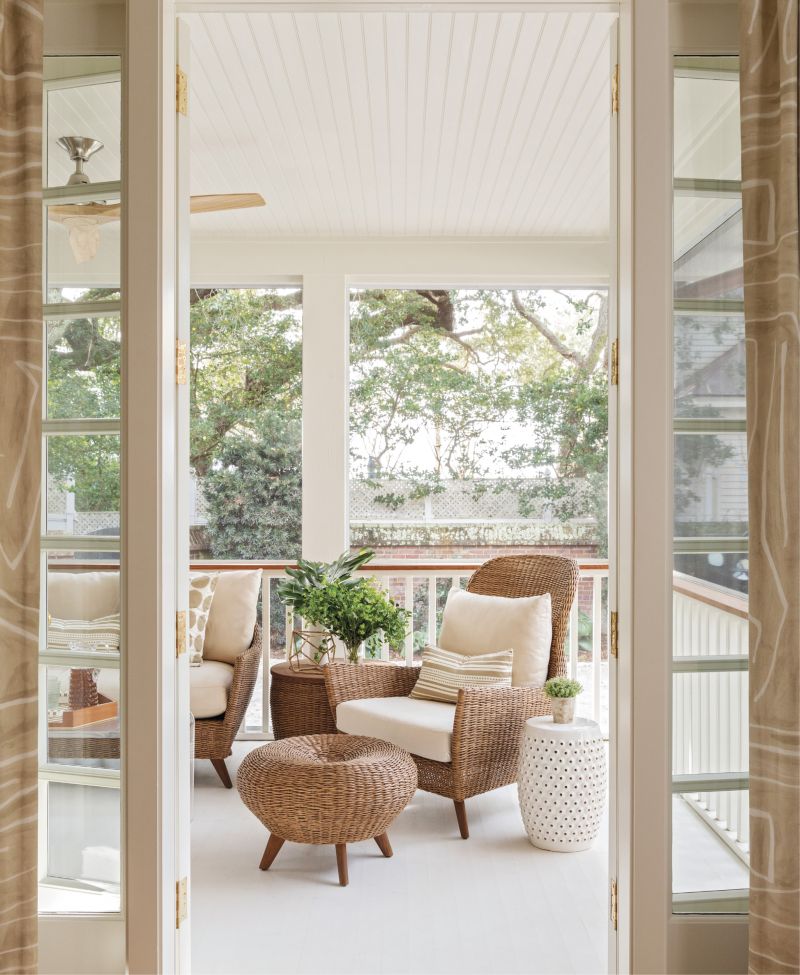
{"type": "Point", "coordinates": [491, 904]}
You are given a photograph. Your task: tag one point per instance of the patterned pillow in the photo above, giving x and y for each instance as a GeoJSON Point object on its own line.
{"type": "Point", "coordinates": [99, 634]}
{"type": "Point", "coordinates": [201, 593]}
{"type": "Point", "coordinates": [444, 673]}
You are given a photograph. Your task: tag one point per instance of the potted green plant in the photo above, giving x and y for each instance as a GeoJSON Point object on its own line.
{"type": "Point", "coordinates": [355, 614]}
{"type": "Point", "coordinates": [562, 692]}
{"type": "Point", "coordinates": [335, 603]}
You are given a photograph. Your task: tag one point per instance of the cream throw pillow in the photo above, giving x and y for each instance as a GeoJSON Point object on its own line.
{"type": "Point", "coordinates": [233, 615]}
{"type": "Point", "coordinates": [202, 586]}
{"type": "Point", "coordinates": [444, 673]}
{"type": "Point", "coordinates": [475, 624]}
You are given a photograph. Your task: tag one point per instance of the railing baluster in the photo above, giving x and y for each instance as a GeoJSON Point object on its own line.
{"type": "Point", "coordinates": [266, 652]}
{"type": "Point", "coordinates": [408, 602]}
{"type": "Point", "coordinates": [573, 640]}
{"type": "Point", "coordinates": [432, 634]}
{"type": "Point", "coordinates": [597, 636]}
{"type": "Point", "coordinates": [384, 644]}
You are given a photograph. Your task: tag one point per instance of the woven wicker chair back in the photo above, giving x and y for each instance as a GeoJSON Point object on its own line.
{"type": "Point", "coordinates": [534, 575]}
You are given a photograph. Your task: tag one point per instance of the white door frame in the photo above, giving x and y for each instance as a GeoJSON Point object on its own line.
{"type": "Point", "coordinates": [642, 671]}
{"type": "Point", "coordinates": [150, 766]}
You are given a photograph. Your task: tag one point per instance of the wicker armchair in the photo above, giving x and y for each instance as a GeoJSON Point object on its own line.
{"type": "Point", "coordinates": [488, 722]}
{"type": "Point", "coordinates": [213, 737]}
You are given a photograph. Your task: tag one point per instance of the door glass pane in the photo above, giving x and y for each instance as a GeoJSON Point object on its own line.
{"type": "Point", "coordinates": [73, 693]}
{"type": "Point", "coordinates": [83, 485]}
{"type": "Point", "coordinates": [82, 873]}
{"type": "Point", "coordinates": [80, 645]}
{"type": "Point", "coordinates": [710, 582]}
{"type": "Point", "coordinates": [83, 367]}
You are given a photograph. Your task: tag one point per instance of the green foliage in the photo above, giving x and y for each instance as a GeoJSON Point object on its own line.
{"type": "Point", "coordinates": [496, 387]}
{"type": "Point", "coordinates": [354, 613]}
{"type": "Point", "coordinates": [309, 576]}
{"type": "Point", "coordinates": [252, 493]}
{"type": "Point", "coordinates": [562, 687]}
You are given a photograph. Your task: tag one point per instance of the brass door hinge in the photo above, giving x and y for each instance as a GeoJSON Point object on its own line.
{"type": "Point", "coordinates": [181, 627]}
{"type": "Point", "coordinates": [614, 905]}
{"type": "Point", "coordinates": [614, 364]}
{"type": "Point", "coordinates": [181, 901]}
{"type": "Point", "coordinates": [614, 633]}
{"type": "Point", "coordinates": [615, 90]}
{"type": "Point", "coordinates": [181, 91]}
{"type": "Point", "coordinates": [181, 363]}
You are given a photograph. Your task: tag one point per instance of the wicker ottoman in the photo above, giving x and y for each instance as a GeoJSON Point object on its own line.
{"type": "Point", "coordinates": [322, 789]}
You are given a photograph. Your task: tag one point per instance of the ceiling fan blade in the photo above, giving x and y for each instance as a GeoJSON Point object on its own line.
{"type": "Point", "coordinates": [108, 210]}
{"type": "Point", "coordinates": [226, 201]}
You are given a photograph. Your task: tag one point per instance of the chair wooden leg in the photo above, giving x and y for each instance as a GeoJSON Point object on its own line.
{"type": "Point", "coordinates": [274, 845]}
{"type": "Point", "coordinates": [383, 844]}
{"type": "Point", "coordinates": [221, 769]}
{"type": "Point", "coordinates": [461, 815]}
{"type": "Point", "coordinates": [341, 863]}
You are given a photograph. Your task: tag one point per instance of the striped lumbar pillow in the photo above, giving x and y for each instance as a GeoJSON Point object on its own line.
{"type": "Point", "coordinates": [444, 673]}
{"type": "Point", "coordinates": [99, 634]}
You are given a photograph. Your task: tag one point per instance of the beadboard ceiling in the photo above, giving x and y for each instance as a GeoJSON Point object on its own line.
{"type": "Point", "coordinates": [402, 124]}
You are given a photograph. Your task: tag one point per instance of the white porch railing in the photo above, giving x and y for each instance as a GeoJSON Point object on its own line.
{"type": "Point", "coordinates": [710, 706]}
{"type": "Point", "coordinates": [423, 587]}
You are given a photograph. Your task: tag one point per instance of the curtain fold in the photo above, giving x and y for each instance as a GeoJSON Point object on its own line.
{"type": "Point", "coordinates": [20, 459]}
{"type": "Point", "coordinates": [770, 174]}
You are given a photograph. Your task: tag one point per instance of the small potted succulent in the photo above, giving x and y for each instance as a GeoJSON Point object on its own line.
{"type": "Point", "coordinates": [562, 692]}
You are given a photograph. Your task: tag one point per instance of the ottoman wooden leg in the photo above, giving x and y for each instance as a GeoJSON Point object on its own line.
{"type": "Point", "coordinates": [273, 849]}
{"type": "Point", "coordinates": [383, 844]}
{"type": "Point", "coordinates": [341, 863]}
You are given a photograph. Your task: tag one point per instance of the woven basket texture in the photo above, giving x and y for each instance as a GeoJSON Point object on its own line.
{"type": "Point", "coordinates": [213, 737]}
{"type": "Point", "coordinates": [327, 788]}
{"type": "Point", "coordinates": [299, 703]}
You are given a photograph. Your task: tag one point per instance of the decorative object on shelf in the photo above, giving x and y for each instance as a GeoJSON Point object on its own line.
{"type": "Point", "coordinates": [327, 789]}
{"type": "Point", "coordinates": [328, 596]}
{"type": "Point", "coordinates": [562, 692]}
{"type": "Point", "coordinates": [86, 705]}
{"type": "Point", "coordinates": [82, 688]}
{"type": "Point", "coordinates": [562, 783]}
{"type": "Point", "coordinates": [298, 701]}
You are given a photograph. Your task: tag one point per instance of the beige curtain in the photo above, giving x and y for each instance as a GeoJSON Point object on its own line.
{"type": "Point", "coordinates": [770, 172]}
{"type": "Point", "coordinates": [20, 452]}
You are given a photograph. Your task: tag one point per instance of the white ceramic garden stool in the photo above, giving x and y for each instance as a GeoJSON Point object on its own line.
{"type": "Point", "coordinates": [562, 783]}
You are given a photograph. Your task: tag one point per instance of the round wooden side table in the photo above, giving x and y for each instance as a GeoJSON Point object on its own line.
{"type": "Point", "coordinates": [562, 783]}
{"type": "Point", "coordinates": [299, 702]}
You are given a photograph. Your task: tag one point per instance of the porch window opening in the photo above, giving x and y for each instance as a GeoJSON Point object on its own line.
{"type": "Point", "coordinates": [246, 442]}
{"type": "Point", "coordinates": [479, 428]}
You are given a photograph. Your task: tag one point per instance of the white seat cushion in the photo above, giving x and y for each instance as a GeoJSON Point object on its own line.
{"type": "Point", "coordinates": [209, 686]}
{"type": "Point", "coordinates": [423, 728]}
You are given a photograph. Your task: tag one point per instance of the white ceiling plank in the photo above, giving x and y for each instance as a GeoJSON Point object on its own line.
{"type": "Point", "coordinates": [403, 122]}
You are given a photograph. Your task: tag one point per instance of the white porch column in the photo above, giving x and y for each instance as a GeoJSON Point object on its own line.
{"type": "Point", "coordinates": [325, 396]}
